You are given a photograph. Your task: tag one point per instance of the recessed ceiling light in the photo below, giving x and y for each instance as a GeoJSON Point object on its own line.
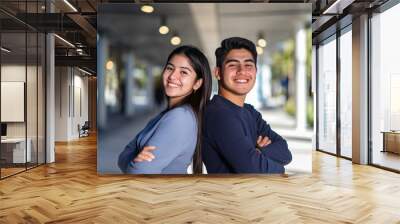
{"type": "Point", "coordinates": [262, 42]}
{"type": "Point", "coordinates": [175, 40]}
{"type": "Point", "coordinates": [163, 29]}
{"type": "Point", "coordinates": [147, 8]}
{"type": "Point", "coordinates": [109, 65]}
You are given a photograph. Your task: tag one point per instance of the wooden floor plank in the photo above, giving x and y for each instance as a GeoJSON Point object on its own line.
{"type": "Point", "coordinates": [70, 191]}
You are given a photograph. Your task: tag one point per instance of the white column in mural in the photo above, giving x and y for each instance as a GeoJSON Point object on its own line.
{"type": "Point", "coordinates": [301, 80]}
{"type": "Point", "coordinates": [102, 54]}
{"type": "Point", "coordinates": [129, 84]}
{"type": "Point", "coordinates": [266, 90]}
{"type": "Point", "coordinates": [50, 93]}
{"type": "Point", "coordinates": [150, 86]}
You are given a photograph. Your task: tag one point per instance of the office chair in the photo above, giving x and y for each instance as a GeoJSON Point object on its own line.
{"type": "Point", "coordinates": [84, 130]}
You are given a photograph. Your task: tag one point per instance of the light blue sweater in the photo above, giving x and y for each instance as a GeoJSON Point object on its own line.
{"type": "Point", "coordinates": [174, 134]}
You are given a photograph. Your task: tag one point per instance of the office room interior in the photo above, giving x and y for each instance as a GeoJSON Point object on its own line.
{"type": "Point", "coordinates": [328, 82]}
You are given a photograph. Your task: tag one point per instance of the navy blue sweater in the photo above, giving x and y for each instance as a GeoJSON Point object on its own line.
{"type": "Point", "coordinates": [230, 136]}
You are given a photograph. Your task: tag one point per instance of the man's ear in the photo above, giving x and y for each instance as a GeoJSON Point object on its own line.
{"type": "Point", "coordinates": [217, 73]}
{"type": "Point", "coordinates": [197, 84]}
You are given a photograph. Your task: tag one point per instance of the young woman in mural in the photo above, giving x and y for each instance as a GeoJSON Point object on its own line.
{"type": "Point", "coordinates": [172, 140]}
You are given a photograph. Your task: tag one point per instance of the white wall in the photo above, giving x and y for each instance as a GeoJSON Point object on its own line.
{"type": "Point", "coordinates": [13, 72]}
{"type": "Point", "coordinates": [70, 83]}
{"type": "Point", "coordinates": [80, 83]}
{"type": "Point", "coordinates": [62, 80]}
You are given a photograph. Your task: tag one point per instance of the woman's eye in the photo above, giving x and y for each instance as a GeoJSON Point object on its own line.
{"type": "Point", "coordinates": [184, 73]}
{"type": "Point", "coordinates": [168, 68]}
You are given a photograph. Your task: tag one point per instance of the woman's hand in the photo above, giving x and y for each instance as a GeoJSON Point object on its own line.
{"type": "Point", "coordinates": [145, 154]}
{"type": "Point", "coordinates": [263, 141]}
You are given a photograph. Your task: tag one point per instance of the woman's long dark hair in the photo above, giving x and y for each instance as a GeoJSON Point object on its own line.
{"type": "Point", "coordinates": [199, 98]}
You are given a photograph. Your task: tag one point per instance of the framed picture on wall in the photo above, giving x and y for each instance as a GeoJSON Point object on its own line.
{"type": "Point", "coordinates": [12, 101]}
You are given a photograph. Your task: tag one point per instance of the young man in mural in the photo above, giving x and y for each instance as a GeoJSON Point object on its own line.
{"type": "Point", "coordinates": [235, 138]}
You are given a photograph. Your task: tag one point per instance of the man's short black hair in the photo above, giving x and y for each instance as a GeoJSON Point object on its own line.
{"type": "Point", "coordinates": [234, 43]}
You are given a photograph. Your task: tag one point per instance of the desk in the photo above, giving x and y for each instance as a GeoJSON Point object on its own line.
{"type": "Point", "coordinates": [16, 147]}
{"type": "Point", "coordinates": [391, 141]}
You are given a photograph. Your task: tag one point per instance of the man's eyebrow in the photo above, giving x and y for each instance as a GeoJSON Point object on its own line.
{"type": "Point", "coordinates": [236, 60]}
{"type": "Point", "coordinates": [231, 60]}
{"type": "Point", "coordinates": [249, 60]}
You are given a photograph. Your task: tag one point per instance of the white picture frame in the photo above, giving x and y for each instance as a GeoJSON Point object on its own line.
{"type": "Point", "coordinates": [12, 101]}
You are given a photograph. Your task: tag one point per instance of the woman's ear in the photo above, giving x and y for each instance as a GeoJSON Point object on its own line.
{"type": "Point", "coordinates": [217, 73]}
{"type": "Point", "coordinates": [197, 84]}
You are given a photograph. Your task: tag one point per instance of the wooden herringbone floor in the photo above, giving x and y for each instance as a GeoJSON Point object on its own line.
{"type": "Point", "coordinates": [70, 191]}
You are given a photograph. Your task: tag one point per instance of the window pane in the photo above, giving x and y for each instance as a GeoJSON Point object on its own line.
{"type": "Point", "coordinates": [386, 89]}
{"type": "Point", "coordinates": [346, 94]}
{"type": "Point", "coordinates": [327, 96]}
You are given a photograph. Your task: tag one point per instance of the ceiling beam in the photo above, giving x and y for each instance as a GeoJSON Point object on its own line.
{"type": "Point", "coordinates": [81, 61]}
{"type": "Point", "coordinates": [205, 17]}
{"type": "Point", "coordinates": [86, 26]}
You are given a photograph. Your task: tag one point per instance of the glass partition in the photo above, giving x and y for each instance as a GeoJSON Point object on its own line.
{"type": "Point", "coordinates": [13, 105]}
{"type": "Point", "coordinates": [22, 91]}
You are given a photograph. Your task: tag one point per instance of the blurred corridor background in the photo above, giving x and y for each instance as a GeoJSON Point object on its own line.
{"type": "Point", "coordinates": [133, 43]}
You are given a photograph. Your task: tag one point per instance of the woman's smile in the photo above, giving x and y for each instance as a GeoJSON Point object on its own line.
{"type": "Point", "coordinates": [173, 84]}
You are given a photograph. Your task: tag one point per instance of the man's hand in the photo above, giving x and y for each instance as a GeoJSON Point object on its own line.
{"type": "Point", "coordinates": [145, 154]}
{"type": "Point", "coordinates": [263, 141]}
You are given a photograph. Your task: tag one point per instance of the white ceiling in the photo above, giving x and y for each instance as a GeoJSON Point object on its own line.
{"type": "Point", "coordinates": [200, 24]}
{"type": "Point", "coordinates": [125, 25]}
